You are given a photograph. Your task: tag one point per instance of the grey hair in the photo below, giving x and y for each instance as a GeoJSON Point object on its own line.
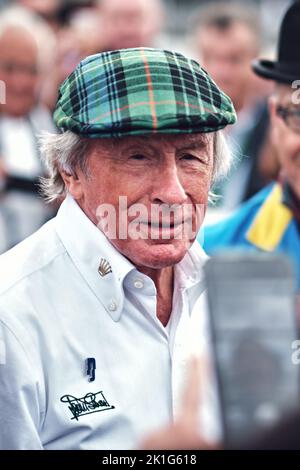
{"type": "Point", "coordinates": [68, 151]}
{"type": "Point", "coordinates": [61, 153]}
{"type": "Point", "coordinates": [223, 160]}
{"type": "Point", "coordinates": [222, 157]}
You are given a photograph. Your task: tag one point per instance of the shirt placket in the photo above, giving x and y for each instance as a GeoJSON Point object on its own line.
{"type": "Point", "coordinates": [180, 354]}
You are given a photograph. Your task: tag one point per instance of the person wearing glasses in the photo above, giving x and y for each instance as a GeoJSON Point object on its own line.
{"type": "Point", "coordinates": [270, 220]}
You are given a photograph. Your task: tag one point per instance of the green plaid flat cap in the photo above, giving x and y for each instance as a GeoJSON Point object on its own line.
{"type": "Point", "coordinates": [141, 91]}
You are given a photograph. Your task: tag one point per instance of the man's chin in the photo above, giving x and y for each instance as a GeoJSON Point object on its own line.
{"type": "Point", "coordinates": [160, 255]}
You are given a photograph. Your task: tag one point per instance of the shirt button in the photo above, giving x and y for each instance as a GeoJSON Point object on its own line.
{"type": "Point", "coordinates": [138, 284]}
{"type": "Point", "coordinates": [112, 306]}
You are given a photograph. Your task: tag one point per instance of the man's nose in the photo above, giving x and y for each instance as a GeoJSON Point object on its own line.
{"type": "Point", "coordinates": [167, 187]}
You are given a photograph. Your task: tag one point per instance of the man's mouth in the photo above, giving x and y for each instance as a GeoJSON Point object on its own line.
{"type": "Point", "coordinates": [162, 224]}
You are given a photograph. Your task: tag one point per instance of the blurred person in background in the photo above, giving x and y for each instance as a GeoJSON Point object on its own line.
{"type": "Point", "coordinates": [111, 24]}
{"type": "Point", "coordinates": [227, 38]}
{"type": "Point", "coordinates": [23, 61]}
{"type": "Point", "coordinates": [130, 23]}
{"type": "Point", "coordinates": [270, 221]}
{"type": "Point", "coordinates": [73, 44]}
{"type": "Point", "coordinates": [48, 10]}
{"type": "Point", "coordinates": [57, 13]}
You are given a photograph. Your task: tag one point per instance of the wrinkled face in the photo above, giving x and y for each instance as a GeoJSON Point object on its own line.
{"type": "Point", "coordinates": [226, 55]}
{"type": "Point", "coordinates": [18, 70]}
{"type": "Point", "coordinates": [286, 140]}
{"type": "Point", "coordinates": [155, 174]}
{"type": "Point", "coordinates": [130, 23]}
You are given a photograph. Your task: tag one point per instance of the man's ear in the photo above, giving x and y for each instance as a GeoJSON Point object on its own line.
{"type": "Point", "coordinates": [73, 184]}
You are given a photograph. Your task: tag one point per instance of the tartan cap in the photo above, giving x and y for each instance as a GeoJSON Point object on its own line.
{"type": "Point", "coordinates": [141, 91]}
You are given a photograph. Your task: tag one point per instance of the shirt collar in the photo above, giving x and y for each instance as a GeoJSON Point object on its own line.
{"type": "Point", "coordinates": [88, 247]}
{"type": "Point", "coordinates": [290, 199]}
{"type": "Point", "coordinates": [190, 270]}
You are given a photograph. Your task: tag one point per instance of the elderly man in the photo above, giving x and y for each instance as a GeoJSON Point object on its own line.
{"type": "Point", "coordinates": [100, 313]}
{"type": "Point", "coordinates": [270, 221]}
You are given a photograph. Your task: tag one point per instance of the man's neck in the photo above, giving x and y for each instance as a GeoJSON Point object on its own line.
{"type": "Point", "coordinates": [163, 280]}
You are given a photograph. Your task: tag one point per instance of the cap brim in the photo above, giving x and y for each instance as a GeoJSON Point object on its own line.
{"type": "Point", "coordinates": [267, 69]}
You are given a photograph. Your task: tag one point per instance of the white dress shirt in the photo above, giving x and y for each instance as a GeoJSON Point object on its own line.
{"type": "Point", "coordinates": [56, 311]}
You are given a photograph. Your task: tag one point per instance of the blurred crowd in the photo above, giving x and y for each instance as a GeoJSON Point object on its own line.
{"type": "Point", "coordinates": [41, 42]}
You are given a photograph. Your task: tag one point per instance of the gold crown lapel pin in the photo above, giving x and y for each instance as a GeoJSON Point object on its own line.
{"type": "Point", "coordinates": [104, 268]}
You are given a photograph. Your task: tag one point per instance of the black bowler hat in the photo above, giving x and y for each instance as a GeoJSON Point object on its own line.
{"type": "Point", "coordinates": [287, 68]}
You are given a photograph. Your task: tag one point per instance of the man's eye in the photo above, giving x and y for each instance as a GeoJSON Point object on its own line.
{"type": "Point", "coordinates": [189, 156]}
{"type": "Point", "coordinates": [138, 157]}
